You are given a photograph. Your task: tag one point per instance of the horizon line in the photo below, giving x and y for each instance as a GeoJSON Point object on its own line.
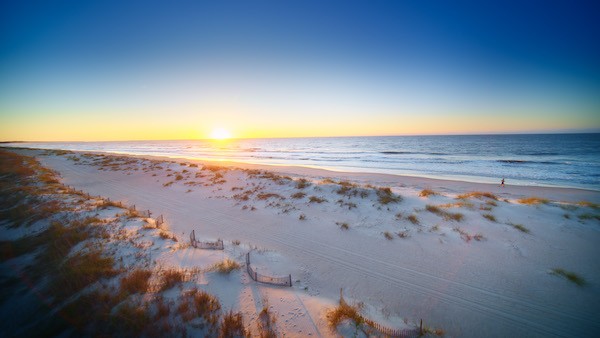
{"type": "Point", "coordinates": [307, 137]}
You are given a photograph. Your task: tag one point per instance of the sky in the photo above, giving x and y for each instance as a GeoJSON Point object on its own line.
{"type": "Point", "coordinates": [152, 70]}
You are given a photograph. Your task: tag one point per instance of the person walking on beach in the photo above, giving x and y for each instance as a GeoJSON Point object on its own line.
{"type": "Point", "coordinates": [502, 183]}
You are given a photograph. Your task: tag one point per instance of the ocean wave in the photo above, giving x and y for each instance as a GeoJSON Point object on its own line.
{"type": "Point", "coordinates": [410, 153]}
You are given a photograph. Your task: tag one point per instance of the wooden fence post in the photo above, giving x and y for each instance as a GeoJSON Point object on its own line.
{"type": "Point", "coordinates": [290, 280]}
{"type": "Point", "coordinates": [421, 328]}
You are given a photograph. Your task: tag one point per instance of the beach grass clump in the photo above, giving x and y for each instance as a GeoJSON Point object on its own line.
{"type": "Point", "coordinates": [449, 216]}
{"type": "Point", "coordinates": [170, 278]}
{"type": "Point", "coordinates": [478, 194]}
{"type": "Point", "coordinates": [533, 201]}
{"type": "Point", "coordinates": [588, 204]}
{"type": "Point", "coordinates": [302, 217]}
{"type": "Point", "coordinates": [341, 313]}
{"type": "Point", "coordinates": [136, 281]}
{"type": "Point", "coordinates": [226, 266]}
{"type": "Point", "coordinates": [519, 227]}
{"type": "Point", "coordinates": [490, 217]}
{"type": "Point", "coordinates": [403, 234]}
{"type": "Point", "coordinates": [302, 183]}
{"type": "Point", "coordinates": [315, 199]}
{"type": "Point", "coordinates": [79, 271]}
{"type": "Point", "coordinates": [388, 235]}
{"type": "Point", "coordinates": [266, 322]}
{"type": "Point", "coordinates": [298, 195]}
{"type": "Point", "coordinates": [386, 196]}
{"type": "Point", "coordinates": [178, 177]}
{"type": "Point", "coordinates": [413, 219]}
{"type": "Point", "coordinates": [232, 325]}
{"type": "Point", "coordinates": [587, 216]}
{"type": "Point", "coordinates": [265, 196]}
{"type": "Point", "coordinates": [427, 193]}
{"type": "Point", "coordinates": [343, 225]}
{"type": "Point", "coordinates": [570, 276]}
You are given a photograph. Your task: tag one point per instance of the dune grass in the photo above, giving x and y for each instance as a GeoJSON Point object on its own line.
{"type": "Point", "coordinates": [266, 322]}
{"type": "Point", "coordinates": [302, 183]}
{"type": "Point", "coordinates": [570, 276]}
{"type": "Point", "coordinates": [386, 196]}
{"type": "Point", "coordinates": [232, 325]}
{"type": "Point", "coordinates": [298, 195]}
{"type": "Point", "coordinates": [413, 219]}
{"type": "Point", "coordinates": [427, 193]}
{"type": "Point", "coordinates": [533, 201]}
{"type": "Point", "coordinates": [136, 281]}
{"type": "Point", "coordinates": [170, 278]}
{"type": "Point", "coordinates": [343, 225]}
{"type": "Point", "coordinates": [490, 217]}
{"type": "Point", "coordinates": [315, 199]}
{"type": "Point", "coordinates": [388, 235]}
{"type": "Point", "coordinates": [226, 266]}
{"type": "Point", "coordinates": [519, 227]}
{"type": "Point", "coordinates": [449, 216]}
{"type": "Point", "coordinates": [478, 194]}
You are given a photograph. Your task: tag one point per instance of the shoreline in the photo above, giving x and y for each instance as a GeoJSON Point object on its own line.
{"type": "Point", "coordinates": [365, 170]}
{"type": "Point", "coordinates": [566, 194]}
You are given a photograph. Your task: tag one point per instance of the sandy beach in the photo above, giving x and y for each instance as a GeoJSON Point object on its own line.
{"type": "Point", "coordinates": [468, 259]}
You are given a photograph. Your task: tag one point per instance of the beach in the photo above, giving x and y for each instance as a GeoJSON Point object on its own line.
{"type": "Point", "coordinates": [468, 259]}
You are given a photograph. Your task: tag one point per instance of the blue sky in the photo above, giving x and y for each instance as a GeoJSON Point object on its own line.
{"type": "Point", "coordinates": [296, 68]}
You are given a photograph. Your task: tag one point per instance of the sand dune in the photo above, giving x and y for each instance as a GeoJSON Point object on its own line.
{"type": "Point", "coordinates": [485, 273]}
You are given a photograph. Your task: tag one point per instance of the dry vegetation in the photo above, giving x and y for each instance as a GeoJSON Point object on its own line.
{"type": "Point", "coordinates": [449, 216]}
{"type": "Point", "coordinates": [533, 201]}
{"type": "Point", "coordinates": [478, 195]}
{"type": "Point", "coordinates": [226, 266]}
{"type": "Point", "coordinates": [427, 193]}
{"type": "Point", "coordinates": [568, 275]}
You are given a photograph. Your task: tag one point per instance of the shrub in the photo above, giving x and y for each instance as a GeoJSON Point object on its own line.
{"type": "Point", "coordinates": [570, 276]}
{"type": "Point", "coordinates": [302, 217]}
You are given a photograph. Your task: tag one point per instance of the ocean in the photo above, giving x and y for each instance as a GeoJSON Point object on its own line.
{"type": "Point", "coordinates": [564, 160]}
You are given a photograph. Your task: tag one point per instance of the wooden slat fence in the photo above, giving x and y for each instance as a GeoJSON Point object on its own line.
{"type": "Point", "coordinates": [284, 281]}
{"type": "Point", "coordinates": [218, 245]}
{"type": "Point", "coordinates": [160, 220]}
{"type": "Point", "coordinates": [389, 332]}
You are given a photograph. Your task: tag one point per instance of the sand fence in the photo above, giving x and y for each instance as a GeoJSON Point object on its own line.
{"type": "Point", "coordinates": [282, 281]}
{"type": "Point", "coordinates": [386, 331]}
{"type": "Point", "coordinates": [217, 245]}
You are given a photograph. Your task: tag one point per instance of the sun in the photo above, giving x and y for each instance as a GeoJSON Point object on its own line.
{"type": "Point", "coordinates": [220, 134]}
